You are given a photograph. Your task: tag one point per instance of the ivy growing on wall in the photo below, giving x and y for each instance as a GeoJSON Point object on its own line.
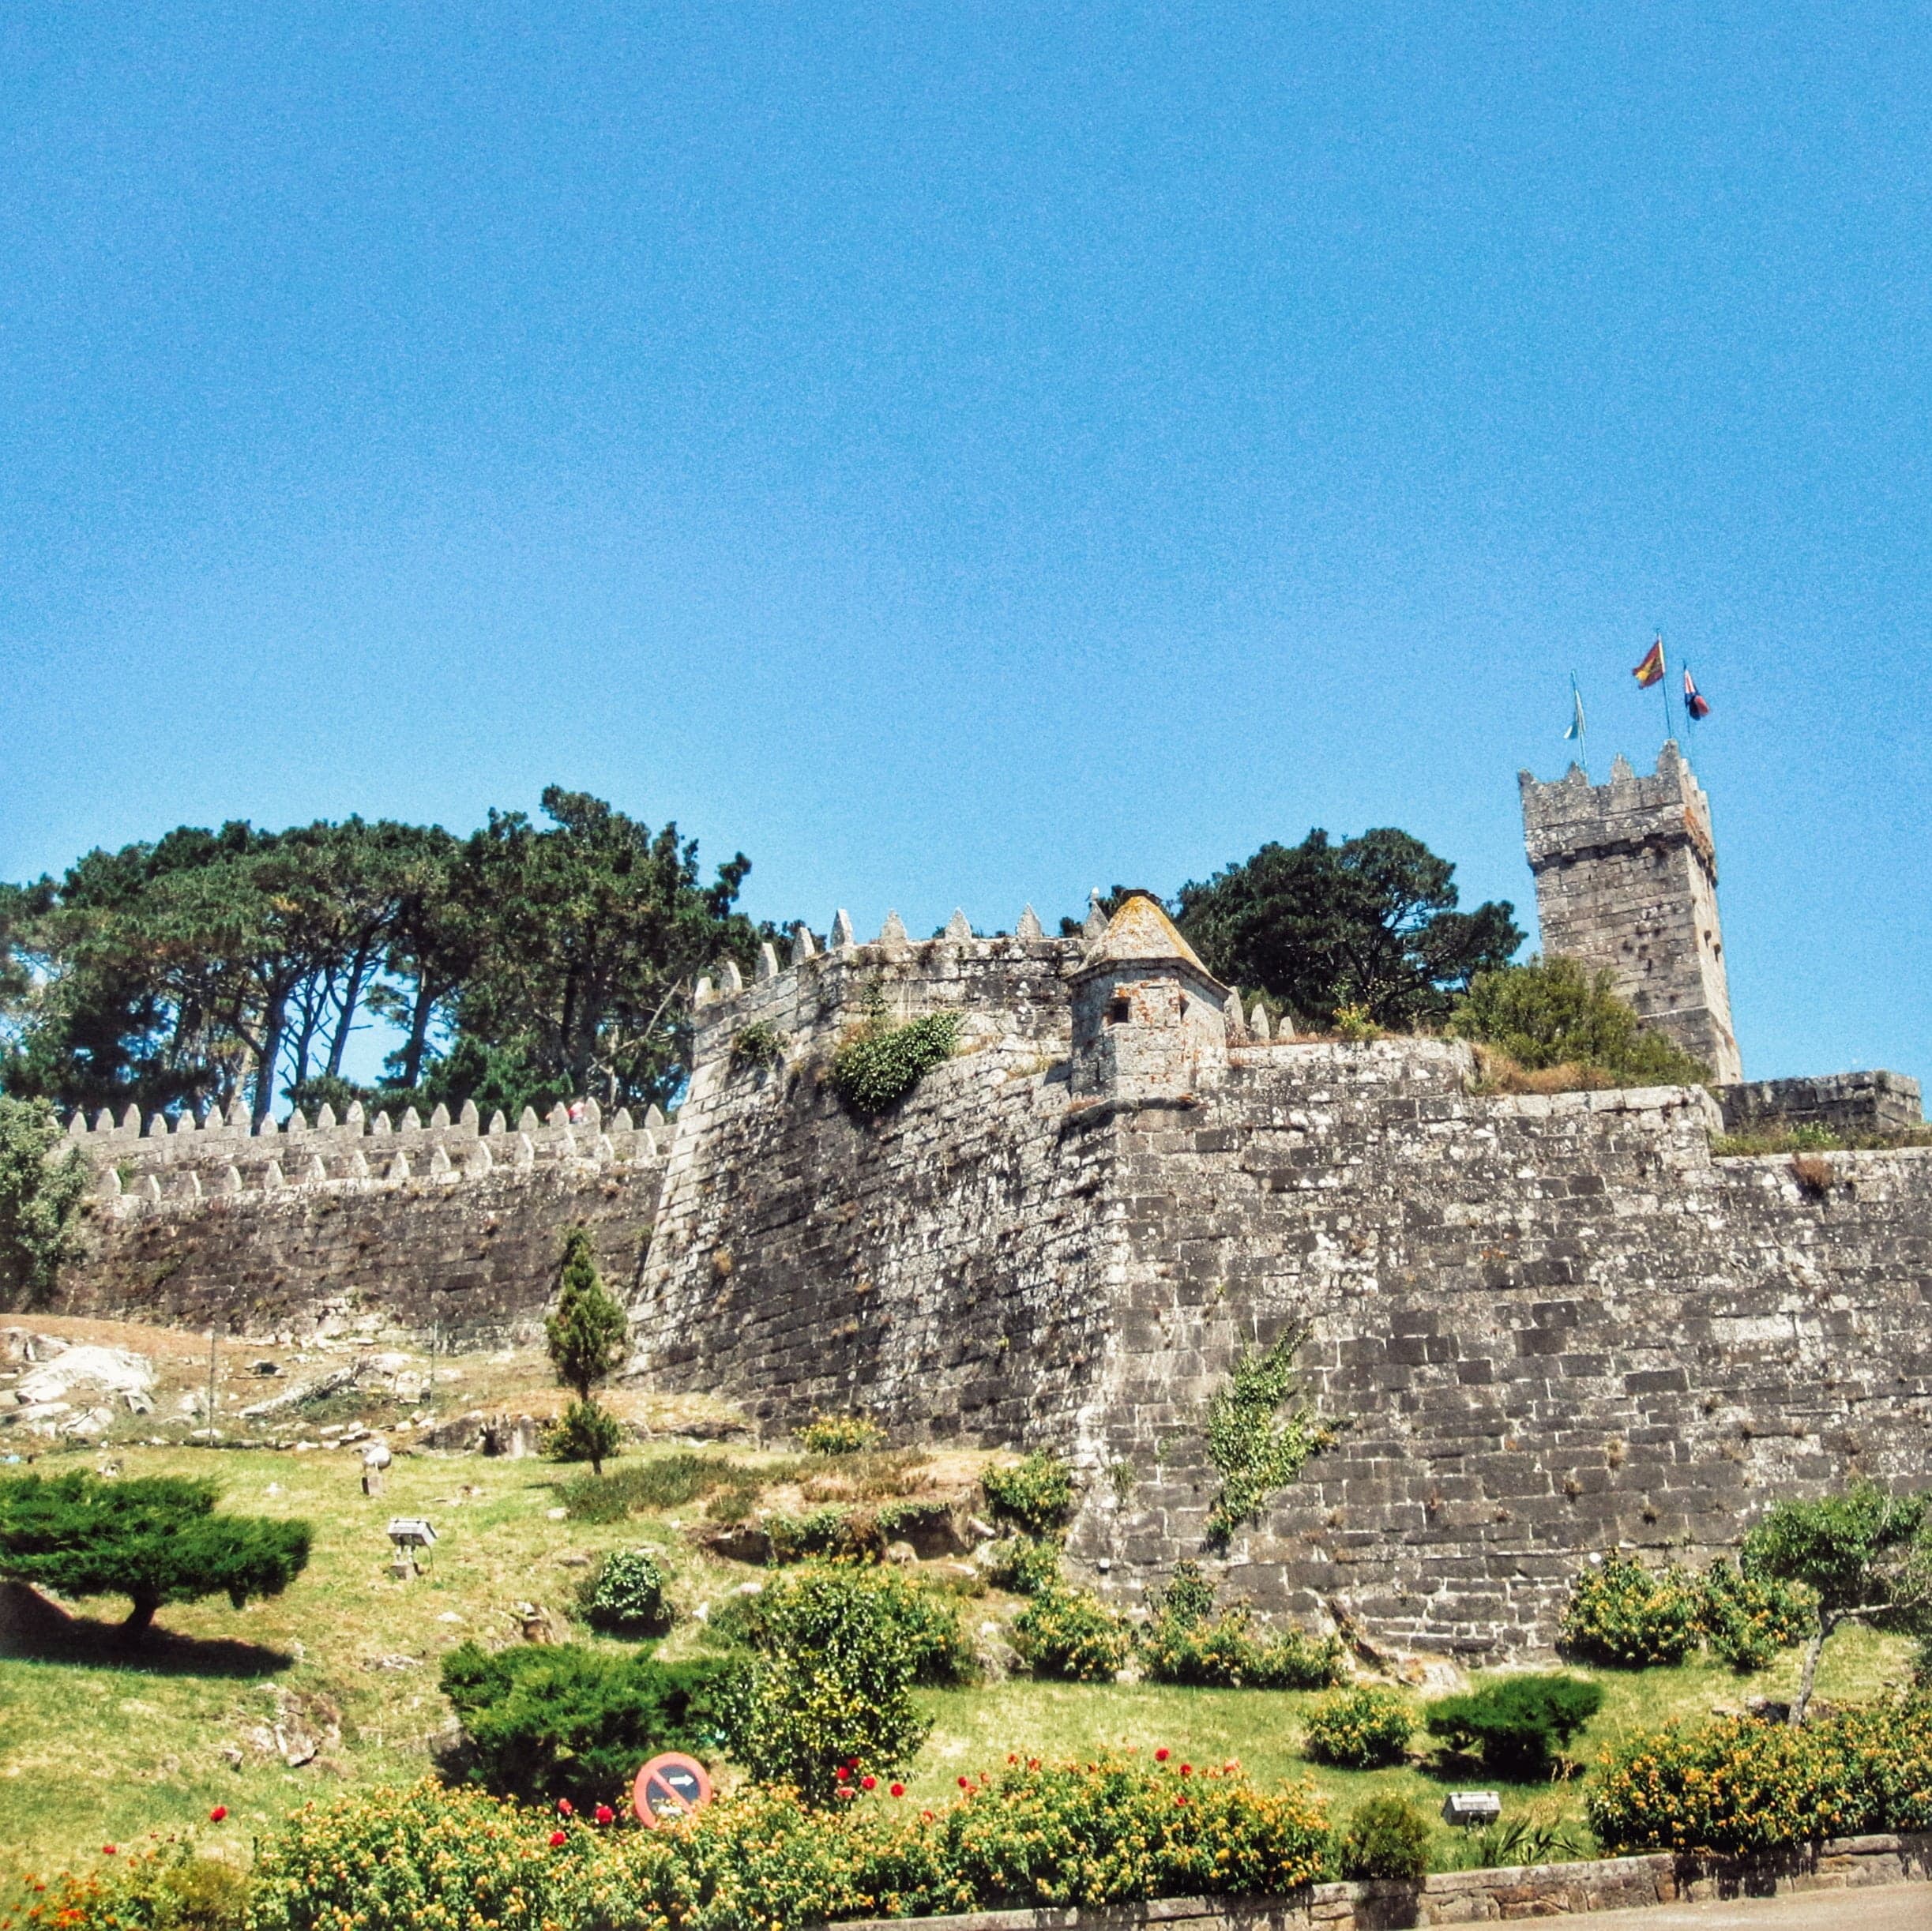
{"type": "Point", "coordinates": [879, 1063]}
{"type": "Point", "coordinates": [1258, 1449]}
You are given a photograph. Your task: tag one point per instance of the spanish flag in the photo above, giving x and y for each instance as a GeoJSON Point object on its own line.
{"type": "Point", "coordinates": [1651, 671]}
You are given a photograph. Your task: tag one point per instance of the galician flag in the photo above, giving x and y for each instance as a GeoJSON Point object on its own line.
{"type": "Point", "coordinates": [1651, 671]}
{"type": "Point", "coordinates": [1575, 733]}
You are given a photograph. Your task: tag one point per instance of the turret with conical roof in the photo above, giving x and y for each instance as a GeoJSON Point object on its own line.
{"type": "Point", "coordinates": [1147, 1018]}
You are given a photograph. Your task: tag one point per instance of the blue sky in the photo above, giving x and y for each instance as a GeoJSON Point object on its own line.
{"type": "Point", "coordinates": [962, 455]}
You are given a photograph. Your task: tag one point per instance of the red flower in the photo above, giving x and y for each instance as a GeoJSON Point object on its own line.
{"type": "Point", "coordinates": [843, 1774]}
{"type": "Point", "coordinates": [107, 1851]}
{"type": "Point", "coordinates": [1181, 1801]}
{"type": "Point", "coordinates": [1161, 1755]}
{"type": "Point", "coordinates": [558, 1840]}
{"type": "Point", "coordinates": [564, 1806]}
{"type": "Point", "coordinates": [606, 1814]}
{"type": "Point", "coordinates": [1187, 1770]}
{"type": "Point", "coordinates": [218, 1812]}
{"type": "Point", "coordinates": [845, 1789]}
{"type": "Point", "coordinates": [868, 1783]}
{"type": "Point", "coordinates": [965, 1784]}
{"type": "Point", "coordinates": [899, 1789]}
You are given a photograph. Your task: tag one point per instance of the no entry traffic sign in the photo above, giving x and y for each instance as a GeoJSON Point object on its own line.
{"type": "Point", "coordinates": [670, 1786]}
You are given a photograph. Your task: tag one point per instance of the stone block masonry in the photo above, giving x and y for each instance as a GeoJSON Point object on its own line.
{"type": "Point", "coordinates": [1626, 880]}
{"type": "Point", "coordinates": [1851, 1103]}
{"type": "Point", "coordinates": [1544, 1325]}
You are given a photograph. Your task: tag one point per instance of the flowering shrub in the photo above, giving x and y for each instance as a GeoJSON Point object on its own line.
{"type": "Point", "coordinates": [1747, 1619]}
{"type": "Point", "coordinates": [1069, 1634]}
{"type": "Point", "coordinates": [1743, 1786]}
{"type": "Point", "coordinates": [1034, 1495]}
{"type": "Point", "coordinates": [1026, 1564]}
{"type": "Point", "coordinates": [624, 1595]}
{"type": "Point", "coordinates": [1621, 1614]}
{"type": "Point", "coordinates": [839, 1434]}
{"type": "Point", "coordinates": [166, 1886]}
{"type": "Point", "coordinates": [839, 1650]}
{"type": "Point", "coordinates": [1361, 1729]}
{"type": "Point", "coordinates": [1187, 1643]}
{"type": "Point", "coordinates": [1115, 1831]}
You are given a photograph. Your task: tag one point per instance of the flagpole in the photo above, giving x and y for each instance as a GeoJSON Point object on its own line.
{"type": "Point", "coordinates": [1663, 661]}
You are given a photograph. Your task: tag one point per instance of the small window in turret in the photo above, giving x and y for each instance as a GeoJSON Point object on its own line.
{"type": "Point", "coordinates": [1118, 1012]}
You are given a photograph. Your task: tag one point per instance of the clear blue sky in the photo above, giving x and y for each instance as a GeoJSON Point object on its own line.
{"type": "Point", "coordinates": [963, 455]}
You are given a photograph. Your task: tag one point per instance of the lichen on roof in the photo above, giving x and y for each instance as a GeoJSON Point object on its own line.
{"type": "Point", "coordinates": [1142, 930]}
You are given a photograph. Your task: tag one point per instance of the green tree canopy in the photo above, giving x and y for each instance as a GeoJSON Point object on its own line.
{"type": "Point", "coordinates": [1865, 1556]}
{"type": "Point", "coordinates": [41, 1189]}
{"type": "Point", "coordinates": [1371, 922]}
{"type": "Point", "coordinates": [154, 1540]}
{"type": "Point", "coordinates": [1556, 1012]}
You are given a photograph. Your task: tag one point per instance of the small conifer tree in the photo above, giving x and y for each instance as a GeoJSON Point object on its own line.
{"type": "Point", "coordinates": [587, 1336]}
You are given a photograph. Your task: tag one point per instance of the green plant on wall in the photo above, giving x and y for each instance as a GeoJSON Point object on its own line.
{"type": "Point", "coordinates": [760, 1045]}
{"type": "Point", "coordinates": [1257, 1450]}
{"type": "Point", "coordinates": [880, 1063]}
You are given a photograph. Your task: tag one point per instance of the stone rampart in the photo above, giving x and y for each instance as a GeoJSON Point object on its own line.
{"type": "Point", "coordinates": [1842, 1102]}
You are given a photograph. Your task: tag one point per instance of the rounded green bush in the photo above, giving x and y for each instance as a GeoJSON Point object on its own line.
{"type": "Point", "coordinates": [1035, 1495]}
{"type": "Point", "coordinates": [1518, 1726]}
{"type": "Point", "coordinates": [624, 1595]}
{"type": "Point", "coordinates": [1623, 1615]}
{"type": "Point", "coordinates": [1364, 1729]}
{"type": "Point", "coordinates": [1387, 1837]}
{"type": "Point", "coordinates": [1069, 1634]}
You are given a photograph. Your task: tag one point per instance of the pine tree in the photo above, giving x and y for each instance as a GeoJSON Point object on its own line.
{"type": "Point", "coordinates": [587, 1336]}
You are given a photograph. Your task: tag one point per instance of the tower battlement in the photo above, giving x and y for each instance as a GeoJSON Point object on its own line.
{"type": "Point", "coordinates": [1626, 880]}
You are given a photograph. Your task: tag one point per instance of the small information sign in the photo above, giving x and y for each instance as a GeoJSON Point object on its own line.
{"type": "Point", "coordinates": [668, 1786]}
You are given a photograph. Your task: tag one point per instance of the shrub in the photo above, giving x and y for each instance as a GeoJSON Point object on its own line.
{"type": "Point", "coordinates": [1069, 1634]}
{"type": "Point", "coordinates": [624, 1595]}
{"type": "Point", "coordinates": [1747, 1620]}
{"type": "Point", "coordinates": [840, 1434]}
{"type": "Point", "coordinates": [759, 1045]}
{"type": "Point", "coordinates": [1365, 1729]}
{"type": "Point", "coordinates": [1258, 1450]}
{"type": "Point", "coordinates": [40, 1198]}
{"type": "Point", "coordinates": [1520, 1840]}
{"type": "Point", "coordinates": [839, 1651]}
{"type": "Point", "coordinates": [1387, 1837]}
{"type": "Point", "coordinates": [1741, 1787]}
{"type": "Point", "coordinates": [1621, 1614]}
{"type": "Point", "coordinates": [831, 1534]}
{"type": "Point", "coordinates": [1186, 1642]}
{"type": "Point", "coordinates": [1108, 1832]}
{"type": "Point", "coordinates": [1356, 1023]}
{"type": "Point", "coordinates": [586, 1431]}
{"type": "Point", "coordinates": [1556, 1012]}
{"type": "Point", "coordinates": [926, 1618]}
{"type": "Point", "coordinates": [1035, 1495]}
{"type": "Point", "coordinates": [1025, 1565]}
{"type": "Point", "coordinates": [544, 1721]}
{"type": "Point", "coordinates": [155, 1539]}
{"type": "Point", "coordinates": [879, 1063]}
{"type": "Point", "coordinates": [167, 1886]}
{"type": "Point", "coordinates": [1518, 1726]}
{"type": "Point", "coordinates": [663, 1482]}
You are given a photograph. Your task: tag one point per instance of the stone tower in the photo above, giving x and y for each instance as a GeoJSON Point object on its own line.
{"type": "Point", "coordinates": [1626, 878]}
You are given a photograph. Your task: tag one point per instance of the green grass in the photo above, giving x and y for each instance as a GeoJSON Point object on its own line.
{"type": "Point", "coordinates": [93, 1753]}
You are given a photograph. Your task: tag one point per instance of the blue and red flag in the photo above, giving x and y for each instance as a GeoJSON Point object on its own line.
{"type": "Point", "coordinates": [1695, 704]}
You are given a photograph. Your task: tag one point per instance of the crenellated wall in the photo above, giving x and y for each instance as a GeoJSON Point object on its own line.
{"type": "Point", "coordinates": [1545, 1325]}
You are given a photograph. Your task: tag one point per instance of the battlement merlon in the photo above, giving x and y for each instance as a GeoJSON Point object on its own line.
{"type": "Point", "coordinates": [1572, 818]}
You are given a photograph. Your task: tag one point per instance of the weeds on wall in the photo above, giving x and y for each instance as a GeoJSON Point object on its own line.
{"type": "Point", "coordinates": [1257, 1450]}
{"type": "Point", "coordinates": [879, 1063]}
{"type": "Point", "coordinates": [759, 1046]}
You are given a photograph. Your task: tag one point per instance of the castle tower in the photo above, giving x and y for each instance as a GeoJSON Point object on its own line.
{"type": "Point", "coordinates": [1148, 1021]}
{"type": "Point", "coordinates": [1626, 878]}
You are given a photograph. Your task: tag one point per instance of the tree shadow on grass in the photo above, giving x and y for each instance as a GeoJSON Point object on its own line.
{"type": "Point", "coordinates": [34, 1630]}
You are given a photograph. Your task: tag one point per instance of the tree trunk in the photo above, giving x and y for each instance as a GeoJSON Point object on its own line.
{"type": "Point", "coordinates": [352, 998]}
{"type": "Point", "coordinates": [1801, 1701]}
{"type": "Point", "coordinates": [139, 1618]}
{"type": "Point", "coordinates": [265, 1064]}
{"type": "Point", "coordinates": [419, 1034]}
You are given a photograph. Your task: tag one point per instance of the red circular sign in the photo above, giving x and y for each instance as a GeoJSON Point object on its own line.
{"type": "Point", "coordinates": [670, 1786]}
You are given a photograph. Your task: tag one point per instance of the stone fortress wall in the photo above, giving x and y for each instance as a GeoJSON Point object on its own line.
{"type": "Point", "coordinates": [1546, 1325]}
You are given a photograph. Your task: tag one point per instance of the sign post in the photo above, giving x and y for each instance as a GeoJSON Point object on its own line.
{"type": "Point", "coordinates": [669, 1787]}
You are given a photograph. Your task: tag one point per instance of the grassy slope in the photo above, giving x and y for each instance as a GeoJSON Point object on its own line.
{"type": "Point", "coordinates": [91, 1754]}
